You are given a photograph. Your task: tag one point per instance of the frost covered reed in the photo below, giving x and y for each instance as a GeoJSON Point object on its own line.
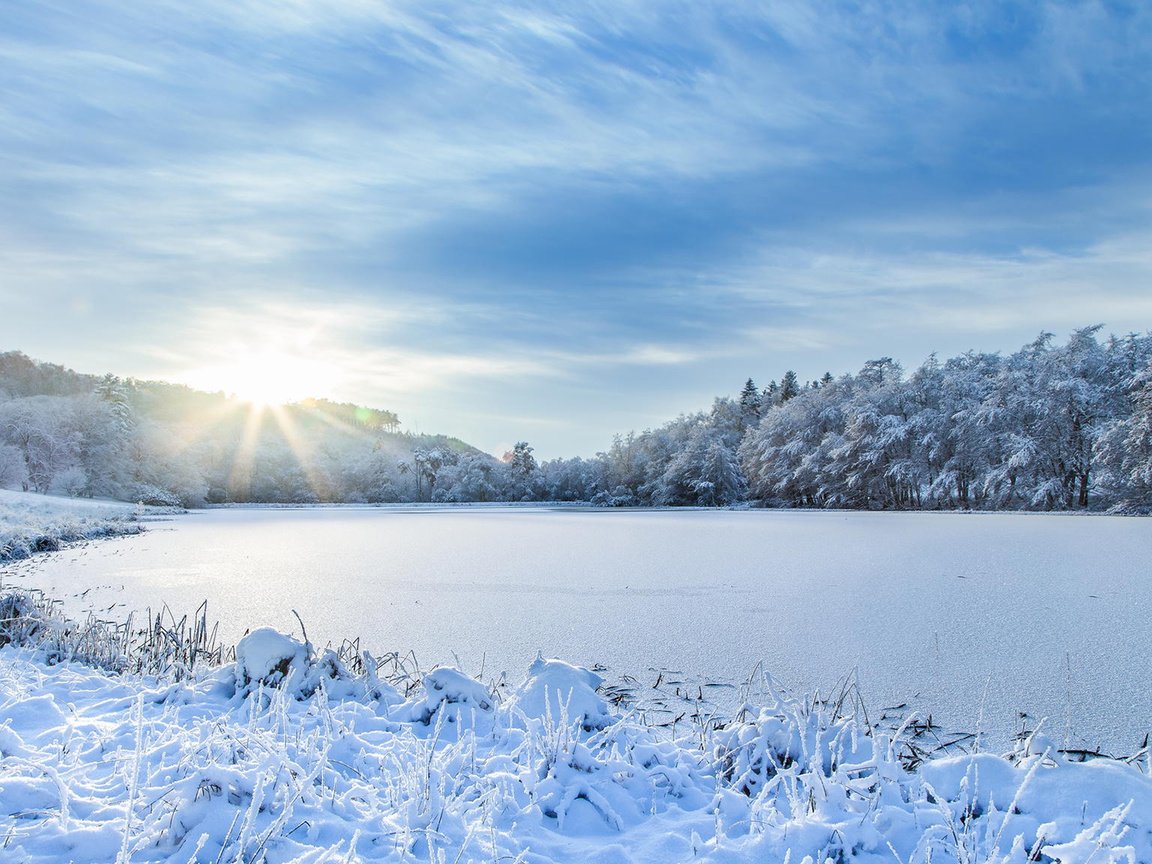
{"type": "Point", "coordinates": [164, 646]}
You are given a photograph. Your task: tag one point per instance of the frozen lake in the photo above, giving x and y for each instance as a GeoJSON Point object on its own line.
{"type": "Point", "coordinates": [966, 616]}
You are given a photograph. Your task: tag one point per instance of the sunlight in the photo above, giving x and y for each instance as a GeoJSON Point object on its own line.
{"type": "Point", "coordinates": [272, 378]}
{"type": "Point", "coordinates": [267, 377]}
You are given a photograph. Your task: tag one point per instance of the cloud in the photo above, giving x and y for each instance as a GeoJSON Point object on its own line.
{"type": "Point", "coordinates": [504, 201]}
{"type": "Point", "coordinates": [845, 306]}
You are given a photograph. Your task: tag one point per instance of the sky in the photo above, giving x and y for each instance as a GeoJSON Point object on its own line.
{"type": "Point", "coordinates": [554, 222]}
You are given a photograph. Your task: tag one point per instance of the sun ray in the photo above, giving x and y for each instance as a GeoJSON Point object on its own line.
{"type": "Point", "coordinates": [299, 447]}
{"type": "Point", "coordinates": [201, 426]}
{"type": "Point", "coordinates": [240, 477]}
{"type": "Point", "coordinates": [335, 422]}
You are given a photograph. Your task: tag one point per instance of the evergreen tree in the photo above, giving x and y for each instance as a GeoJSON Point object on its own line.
{"type": "Point", "coordinates": [789, 386]}
{"type": "Point", "coordinates": [750, 404]}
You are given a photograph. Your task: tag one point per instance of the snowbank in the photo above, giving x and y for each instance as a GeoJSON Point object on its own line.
{"type": "Point", "coordinates": [288, 756]}
{"type": "Point", "coordinates": [32, 523]}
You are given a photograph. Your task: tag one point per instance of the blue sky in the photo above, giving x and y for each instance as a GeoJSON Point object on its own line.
{"type": "Point", "coordinates": [555, 222]}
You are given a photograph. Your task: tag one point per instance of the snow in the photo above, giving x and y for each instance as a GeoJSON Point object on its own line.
{"type": "Point", "coordinates": [448, 704]}
{"type": "Point", "coordinates": [102, 768]}
{"type": "Point", "coordinates": [289, 756]}
{"type": "Point", "coordinates": [32, 523]}
{"type": "Point", "coordinates": [267, 657]}
{"type": "Point", "coordinates": [556, 692]}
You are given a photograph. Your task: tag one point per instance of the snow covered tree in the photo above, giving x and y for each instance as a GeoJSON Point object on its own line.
{"type": "Point", "coordinates": [13, 469]}
{"type": "Point", "coordinates": [472, 478]}
{"type": "Point", "coordinates": [519, 473]}
{"type": "Point", "coordinates": [1125, 449]}
{"type": "Point", "coordinates": [789, 386]}
{"type": "Point", "coordinates": [749, 404]}
{"type": "Point", "coordinates": [784, 459]}
{"type": "Point", "coordinates": [114, 393]}
{"type": "Point", "coordinates": [961, 450]}
{"type": "Point", "coordinates": [705, 472]}
{"type": "Point", "coordinates": [877, 463]}
{"type": "Point", "coordinates": [43, 428]}
{"type": "Point", "coordinates": [1047, 411]}
{"type": "Point", "coordinates": [427, 462]}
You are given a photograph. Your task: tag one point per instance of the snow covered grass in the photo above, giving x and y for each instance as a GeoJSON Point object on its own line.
{"type": "Point", "coordinates": [163, 647]}
{"type": "Point", "coordinates": [32, 523]}
{"type": "Point", "coordinates": [293, 755]}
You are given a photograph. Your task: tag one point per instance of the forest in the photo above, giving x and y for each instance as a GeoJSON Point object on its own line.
{"type": "Point", "coordinates": [1050, 427]}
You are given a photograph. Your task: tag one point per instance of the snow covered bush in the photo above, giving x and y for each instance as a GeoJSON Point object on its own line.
{"type": "Point", "coordinates": [557, 693]}
{"type": "Point", "coordinates": [448, 703]}
{"type": "Point", "coordinates": [788, 738]}
{"type": "Point", "coordinates": [153, 496]}
{"type": "Point", "coordinates": [266, 657]}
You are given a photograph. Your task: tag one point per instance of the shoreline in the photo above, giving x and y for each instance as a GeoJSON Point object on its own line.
{"type": "Point", "coordinates": [207, 762]}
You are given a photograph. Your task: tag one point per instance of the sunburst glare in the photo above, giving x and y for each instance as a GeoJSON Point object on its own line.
{"type": "Point", "coordinates": [267, 375]}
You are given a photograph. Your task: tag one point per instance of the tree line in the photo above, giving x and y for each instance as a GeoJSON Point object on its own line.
{"type": "Point", "coordinates": [1049, 427]}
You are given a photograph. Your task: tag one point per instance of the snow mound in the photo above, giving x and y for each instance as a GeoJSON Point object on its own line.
{"type": "Point", "coordinates": [556, 692]}
{"type": "Point", "coordinates": [783, 739]}
{"type": "Point", "coordinates": [448, 700]}
{"type": "Point", "coordinates": [268, 657]}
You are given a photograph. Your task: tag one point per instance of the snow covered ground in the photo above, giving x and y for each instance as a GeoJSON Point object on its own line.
{"type": "Point", "coordinates": [39, 523]}
{"type": "Point", "coordinates": [286, 756]}
{"type": "Point", "coordinates": [970, 617]}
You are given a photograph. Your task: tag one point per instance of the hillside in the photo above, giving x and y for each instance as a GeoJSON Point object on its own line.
{"type": "Point", "coordinates": [72, 434]}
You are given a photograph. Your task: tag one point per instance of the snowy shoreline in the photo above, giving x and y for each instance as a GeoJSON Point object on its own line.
{"type": "Point", "coordinates": [297, 756]}
{"type": "Point", "coordinates": [32, 524]}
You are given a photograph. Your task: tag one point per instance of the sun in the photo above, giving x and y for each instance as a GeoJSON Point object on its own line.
{"type": "Point", "coordinates": [270, 378]}
{"type": "Point", "coordinates": [266, 378]}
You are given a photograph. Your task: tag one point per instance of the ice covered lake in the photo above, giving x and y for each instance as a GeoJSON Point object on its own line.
{"type": "Point", "coordinates": [972, 617]}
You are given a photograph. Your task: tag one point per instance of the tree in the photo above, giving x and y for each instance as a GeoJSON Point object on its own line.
{"type": "Point", "coordinates": [961, 449]}
{"type": "Point", "coordinates": [428, 462]}
{"type": "Point", "coordinates": [749, 404]}
{"type": "Point", "coordinates": [43, 429]}
{"type": "Point", "coordinates": [705, 472]}
{"type": "Point", "coordinates": [519, 473]}
{"type": "Point", "coordinates": [13, 469]}
{"type": "Point", "coordinates": [1047, 412]}
{"type": "Point", "coordinates": [520, 459]}
{"type": "Point", "coordinates": [112, 391]}
{"type": "Point", "coordinates": [470, 479]}
{"type": "Point", "coordinates": [1125, 448]}
{"type": "Point", "coordinates": [789, 386]}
